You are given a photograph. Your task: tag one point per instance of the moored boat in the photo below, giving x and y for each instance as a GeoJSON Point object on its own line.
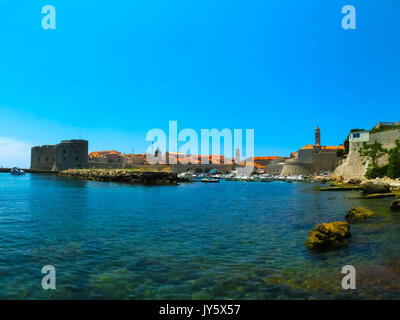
{"type": "Point", "coordinates": [17, 171]}
{"type": "Point", "coordinates": [210, 180]}
{"type": "Point", "coordinates": [186, 177]}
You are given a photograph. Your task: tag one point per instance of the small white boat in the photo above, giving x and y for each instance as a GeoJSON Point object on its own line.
{"type": "Point", "coordinates": [295, 178]}
{"type": "Point", "coordinates": [253, 179]}
{"type": "Point", "coordinates": [186, 176]}
{"type": "Point", "coordinates": [17, 171]}
{"type": "Point", "coordinates": [210, 180]}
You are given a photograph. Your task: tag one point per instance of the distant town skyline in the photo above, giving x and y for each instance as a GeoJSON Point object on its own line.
{"type": "Point", "coordinates": [18, 153]}
{"type": "Point", "coordinates": [280, 68]}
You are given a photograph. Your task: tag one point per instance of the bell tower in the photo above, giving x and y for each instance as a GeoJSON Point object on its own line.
{"type": "Point", "coordinates": [237, 156]}
{"type": "Point", "coordinates": [317, 136]}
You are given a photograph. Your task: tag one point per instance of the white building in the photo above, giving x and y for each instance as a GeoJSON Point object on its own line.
{"type": "Point", "coordinates": [359, 136]}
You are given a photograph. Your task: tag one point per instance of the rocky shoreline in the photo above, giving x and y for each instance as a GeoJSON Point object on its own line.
{"type": "Point", "coordinates": [328, 236]}
{"type": "Point", "coordinates": [394, 184]}
{"type": "Point", "coordinates": [378, 188]}
{"type": "Point", "coordinates": [124, 176]}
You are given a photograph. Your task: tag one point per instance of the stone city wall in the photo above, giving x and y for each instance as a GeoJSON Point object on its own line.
{"type": "Point", "coordinates": [296, 169]}
{"type": "Point", "coordinates": [175, 168]}
{"type": "Point", "coordinates": [274, 169]}
{"type": "Point", "coordinates": [355, 167]}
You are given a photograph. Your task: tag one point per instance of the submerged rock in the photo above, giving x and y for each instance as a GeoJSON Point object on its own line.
{"type": "Point", "coordinates": [359, 214]}
{"type": "Point", "coordinates": [371, 187]}
{"type": "Point", "coordinates": [395, 206]}
{"type": "Point", "coordinates": [327, 236]}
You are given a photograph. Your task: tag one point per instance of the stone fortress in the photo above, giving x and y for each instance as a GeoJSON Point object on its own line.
{"type": "Point", "coordinates": [354, 167]}
{"type": "Point", "coordinates": [65, 155]}
{"type": "Point", "coordinates": [312, 159]}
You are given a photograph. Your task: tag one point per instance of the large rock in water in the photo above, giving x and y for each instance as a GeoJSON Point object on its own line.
{"type": "Point", "coordinates": [359, 214]}
{"type": "Point", "coordinates": [370, 187]}
{"type": "Point", "coordinates": [395, 206]}
{"type": "Point", "coordinates": [327, 236]}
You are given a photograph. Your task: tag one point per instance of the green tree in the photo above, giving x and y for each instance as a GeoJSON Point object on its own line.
{"type": "Point", "coordinates": [373, 152]}
{"type": "Point", "coordinates": [341, 153]}
{"type": "Point", "coordinates": [356, 130]}
{"type": "Point", "coordinates": [346, 145]}
{"type": "Point", "coordinates": [393, 170]}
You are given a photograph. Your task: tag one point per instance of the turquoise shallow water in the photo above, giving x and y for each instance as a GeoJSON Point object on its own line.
{"type": "Point", "coordinates": [193, 241]}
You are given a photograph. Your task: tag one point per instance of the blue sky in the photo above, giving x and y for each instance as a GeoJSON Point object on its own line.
{"type": "Point", "coordinates": [112, 71]}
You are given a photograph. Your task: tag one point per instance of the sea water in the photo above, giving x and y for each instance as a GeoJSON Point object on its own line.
{"type": "Point", "coordinates": [227, 240]}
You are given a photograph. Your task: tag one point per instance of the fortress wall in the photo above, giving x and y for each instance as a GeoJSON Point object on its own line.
{"type": "Point", "coordinates": [275, 169]}
{"type": "Point", "coordinates": [42, 158]}
{"type": "Point", "coordinates": [387, 138]}
{"type": "Point", "coordinates": [71, 154]}
{"type": "Point", "coordinates": [388, 141]}
{"type": "Point", "coordinates": [353, 168]}
{"type": "Point", "coordinates": [67, 154]}
{"type": "Point", "coordinates": [322, 161]}
{"type": "Point", "coordinates": [295, 169]}
{"type": "Point", "coordinates": [325, 161]}
{"type": "Point", "coordinates": [305, 155]}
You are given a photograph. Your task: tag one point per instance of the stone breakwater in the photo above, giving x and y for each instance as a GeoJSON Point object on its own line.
{"type": "Point", "coordinates": [125, 176]}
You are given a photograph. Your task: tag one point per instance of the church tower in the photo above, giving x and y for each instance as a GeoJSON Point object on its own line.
{"type": "Point", "coordinates": [237, 156]}
{"type": "Point", "coordinates": [317, 136]}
